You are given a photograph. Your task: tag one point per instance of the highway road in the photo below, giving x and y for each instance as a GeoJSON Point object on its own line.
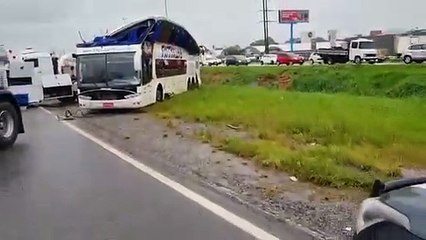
{"type": "Point", "coordinates": [58, 183]}
{"type": "Point", "coordinates": [308, 64]}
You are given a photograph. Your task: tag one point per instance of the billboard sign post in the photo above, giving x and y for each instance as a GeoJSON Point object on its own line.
{"type": "Point", "coordinates": [292, 17]}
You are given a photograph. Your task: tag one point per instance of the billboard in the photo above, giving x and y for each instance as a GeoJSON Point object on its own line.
{"type": "Point", "coordinates": [293, 16]}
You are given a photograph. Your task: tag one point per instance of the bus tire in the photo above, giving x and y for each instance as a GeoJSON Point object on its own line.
{"type": "Point", "coordinates": [197, 82]}
{"type": "Point", "coordinates": [189, 85]}
{"type": "Point", "coordinates": [193, 86]}
{"type": "Point", "coordinates": [159, 94]}
{"type": "Point", "coordinates": [9, 121]}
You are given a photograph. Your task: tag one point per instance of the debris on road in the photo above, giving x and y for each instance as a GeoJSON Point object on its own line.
{"type": "Point", "coordinates": [293, 178]}
{"type": "Point", "coordinates": [233, 127]}
{"type": "Point", "coordinates": [68, 115]}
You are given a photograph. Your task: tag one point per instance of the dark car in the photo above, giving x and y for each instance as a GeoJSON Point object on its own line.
{"type": "Point", "coordinates": [395, 210]}
{"type": "Point", "coordinates": [10, 119]}
{"type": "Point", "coordinates": [236, 60]}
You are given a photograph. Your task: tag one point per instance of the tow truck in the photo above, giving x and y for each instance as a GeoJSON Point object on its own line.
{"type": "Point", "coordinates": [33, 77]}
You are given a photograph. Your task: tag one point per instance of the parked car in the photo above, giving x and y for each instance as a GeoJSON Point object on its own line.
{"type": "Point", "coordinates": [315, 58]}
{"type": "Point", "coordinates": [236, 60]}
{"type": "Point", "coordinates": [394, 210]}
{"type": "Point", "coordinates": [268, 59]}
{"type": "Point", "coordinates": [415, 53]}
{"type": "Point", "coordinates": [211, 61]}
{"type": "Point", "coordinates": [252, 58]}
{"type": "Point", "coordinates": [10, 119]}
{"type": "Point", "coordinates": [289, 59]}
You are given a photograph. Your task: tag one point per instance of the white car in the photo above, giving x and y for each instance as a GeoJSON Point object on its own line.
{"type": "Point", "coordinates": [315, 58]}
{"type": "Point", "coordinates": [269, 59]}
{"type": "Point", "coordinates": [415, 53]}
{"type": "Point", "coordinates": [212, 61]}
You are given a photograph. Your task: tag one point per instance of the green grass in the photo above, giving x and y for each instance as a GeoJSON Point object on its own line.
{"type": "Point", "coordinates": [395, 81]}
{"type": "Point", "coordinates": [334, 140]}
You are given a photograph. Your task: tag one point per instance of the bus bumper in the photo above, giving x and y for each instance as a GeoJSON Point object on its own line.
{"type": "Point", "coordinates": [131, 103]}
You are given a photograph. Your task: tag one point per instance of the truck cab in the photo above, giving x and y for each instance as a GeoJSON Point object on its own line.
{"type": "Point", "coordinates": [362, 50]}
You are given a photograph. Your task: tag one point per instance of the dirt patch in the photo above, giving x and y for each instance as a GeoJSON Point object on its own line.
{"type": "Point", "coordinates": [216, 78]}
{"type": "Point", "coordinates": [283, 81]}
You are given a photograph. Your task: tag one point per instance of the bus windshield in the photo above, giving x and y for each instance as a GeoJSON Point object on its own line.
{"type": "Point", "coordinates": [112, 70]}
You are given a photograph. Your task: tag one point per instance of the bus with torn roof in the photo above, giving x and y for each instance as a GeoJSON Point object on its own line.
{"type": "Point", "coordinates": [137, 65]}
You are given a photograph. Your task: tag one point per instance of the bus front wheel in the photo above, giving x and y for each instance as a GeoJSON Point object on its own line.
{"type": "Point", "coordinates": [193, 83]}
{"type": "Point", "coordinates": [159, 96]}
{"type": "Point", "coordinates": [197, 82]}
{"type": "Point", "coordinates": [189, 85]}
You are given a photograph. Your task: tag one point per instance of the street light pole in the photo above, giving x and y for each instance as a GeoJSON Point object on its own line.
{"type": "Point", "coordinates": [165, 9]}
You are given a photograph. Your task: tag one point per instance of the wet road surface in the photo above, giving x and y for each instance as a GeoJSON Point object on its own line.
{"type": "Point", "coordinates": [55, 184]}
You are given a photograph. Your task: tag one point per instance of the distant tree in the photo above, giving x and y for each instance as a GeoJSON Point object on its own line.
{"type": "Point", "coordinates": [233, 50]}
{"type": "Point", "coordinates": [319, 39]}
{"type": "Point", "coordinates": [296, 40]}
{"type": "Point", "coordinates": [261, 42]}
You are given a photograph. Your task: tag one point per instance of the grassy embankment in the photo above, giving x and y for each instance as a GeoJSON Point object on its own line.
{"type": "Point", "coordinates": [345, 139]}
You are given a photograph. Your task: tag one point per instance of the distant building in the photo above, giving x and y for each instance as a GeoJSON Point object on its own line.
{"type": "Point", "coordinates": [396, 44]}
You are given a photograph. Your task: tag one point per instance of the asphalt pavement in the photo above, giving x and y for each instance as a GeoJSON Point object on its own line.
{"type": "Point", "coordinates": [56, 184]}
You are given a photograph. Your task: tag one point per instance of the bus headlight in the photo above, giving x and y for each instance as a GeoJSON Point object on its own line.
{"type": "Point", "coordinates": [132, 96]}
{"type": "Point", "coordinates": [82, 97]}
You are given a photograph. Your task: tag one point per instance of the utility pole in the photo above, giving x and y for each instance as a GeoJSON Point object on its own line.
{"type": "Point", "coordinates": [265, 25]}
{"type": "Point", "coordinates": [166, 11]}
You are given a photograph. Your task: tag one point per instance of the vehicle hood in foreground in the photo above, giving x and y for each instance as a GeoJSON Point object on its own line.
{"type": "Point", "coordinates": [411, 202]}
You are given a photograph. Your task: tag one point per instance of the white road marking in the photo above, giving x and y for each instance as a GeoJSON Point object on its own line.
{"type": "Point", "coordinates": [216, 209]}
{"type": "Point", "coordinates": [421, 186]}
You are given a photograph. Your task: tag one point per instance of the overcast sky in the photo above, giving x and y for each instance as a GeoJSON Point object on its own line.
{"type": "Point", "coordinates": [54, 24]}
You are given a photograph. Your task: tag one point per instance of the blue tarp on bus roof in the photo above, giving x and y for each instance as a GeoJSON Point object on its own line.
{"type": "Point", "coordinates": [153, 30]}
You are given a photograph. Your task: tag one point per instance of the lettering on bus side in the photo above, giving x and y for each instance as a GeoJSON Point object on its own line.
{"type": "Point", "coordinates": [170, 62]}
{"type": "Point", "coordinates": [172, 52]}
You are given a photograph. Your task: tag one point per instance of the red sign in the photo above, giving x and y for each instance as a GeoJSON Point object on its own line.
{"type": "Point", "coordinates": [293, 16]}
{"type": "Point", "coordinates": [108, 105]}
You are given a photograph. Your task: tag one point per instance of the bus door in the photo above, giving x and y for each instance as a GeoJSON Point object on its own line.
{"type": "Point", "coordinates": [148, 90]}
